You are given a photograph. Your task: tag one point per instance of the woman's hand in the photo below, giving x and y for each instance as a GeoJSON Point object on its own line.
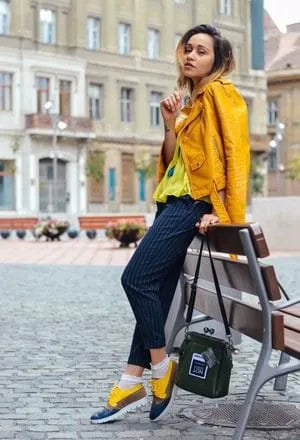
{"type": "Point", "coordinates": [170, 107]}
{"type": "Point", "coordinates": [207, 220]}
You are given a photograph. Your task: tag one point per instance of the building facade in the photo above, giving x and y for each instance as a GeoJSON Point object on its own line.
{"type": "Point", "coordinates": [80, 86]}
{"type": "Point", "coordinates": [283, 116]}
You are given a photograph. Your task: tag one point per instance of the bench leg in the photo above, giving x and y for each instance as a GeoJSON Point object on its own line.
{"type": "Point", "coordinates": [281, 381]}
{"type": "Point", "coordinates": [246, 409]}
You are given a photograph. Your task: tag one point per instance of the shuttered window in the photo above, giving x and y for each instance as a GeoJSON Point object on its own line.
{"type": "Point", "coordinates": [128, 174]}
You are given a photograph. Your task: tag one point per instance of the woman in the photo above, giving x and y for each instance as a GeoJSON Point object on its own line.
{"type": "Point", "coordinates": [203, 173]}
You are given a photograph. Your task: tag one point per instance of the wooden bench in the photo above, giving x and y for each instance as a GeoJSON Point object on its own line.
{"type": "Point", "coordinates": [15, 223]}
{"type": "Point", "coordinates": [101, 221]}
{"type": "Point", "coordinates": [272, 319]}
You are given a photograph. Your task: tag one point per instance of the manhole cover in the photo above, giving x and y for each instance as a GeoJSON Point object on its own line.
{"type": "Point", "coordinates": [263, 415]}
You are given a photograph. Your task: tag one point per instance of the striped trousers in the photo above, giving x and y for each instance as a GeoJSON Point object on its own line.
{"type": "Point", "coordinates": [151, 276]}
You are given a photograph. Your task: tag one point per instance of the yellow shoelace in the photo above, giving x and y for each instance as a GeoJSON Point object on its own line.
{"type": "Point", "coordinates": [156, 386]}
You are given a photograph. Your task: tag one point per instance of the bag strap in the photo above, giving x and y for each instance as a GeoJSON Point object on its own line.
{"type": "Point", "coordinates": [194, 286]}
{"type": "Point", "coordinates": [218, 291]}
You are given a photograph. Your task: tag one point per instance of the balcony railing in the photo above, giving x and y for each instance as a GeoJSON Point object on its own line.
{"type": "Point", "coordinates": [38, 123]}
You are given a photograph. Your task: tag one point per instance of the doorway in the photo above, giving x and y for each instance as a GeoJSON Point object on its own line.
{"type": "Point", "coordinates": [52, 194]}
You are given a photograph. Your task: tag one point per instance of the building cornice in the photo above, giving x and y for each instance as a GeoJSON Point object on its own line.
{"type": "Point", "coordinates": [283, 75]}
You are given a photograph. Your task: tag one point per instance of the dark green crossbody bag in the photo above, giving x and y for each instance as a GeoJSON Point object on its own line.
{"type": "Point", "coordinates": [205, 362]}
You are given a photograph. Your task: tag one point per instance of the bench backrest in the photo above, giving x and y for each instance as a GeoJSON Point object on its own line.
{"type": "Point", "coordinates": [236, 276]}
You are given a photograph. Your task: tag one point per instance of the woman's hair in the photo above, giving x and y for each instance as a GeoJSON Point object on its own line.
{"type": "Point", "coordinates": [224, 60]}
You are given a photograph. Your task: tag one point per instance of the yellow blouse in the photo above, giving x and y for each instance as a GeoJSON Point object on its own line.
{"type": "Point", "coordinates": [175, 181]}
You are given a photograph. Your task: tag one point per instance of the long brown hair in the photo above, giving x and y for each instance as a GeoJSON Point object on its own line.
{"type": "Point", "coordinates": [224, 59]}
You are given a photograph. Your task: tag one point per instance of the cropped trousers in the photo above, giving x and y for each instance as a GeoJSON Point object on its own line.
{"type": "Point", "coordinates": [152, 274]}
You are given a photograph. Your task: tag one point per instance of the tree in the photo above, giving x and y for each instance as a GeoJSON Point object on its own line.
{"type": "Point", "coordinates": [94, 166]}
{"type": "Point", "coordinates": [293, 167]}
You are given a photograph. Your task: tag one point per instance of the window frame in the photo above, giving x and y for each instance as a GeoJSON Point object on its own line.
{"type": "Point", "coordinates": [99, 111]}
{"type": "Point", "coordinates": [45, 26]}
{"type": "Point", "coordinates": [153, 46]}
{"type": "Point", "coordinates": [272, 111]}
{"type": "Point", "coordinates": [127, 105]}
{"type": "Point", "coordinates": [94, 34]}
{"type": "Point", "coordinates": [40, 91]}
{"type": "Point", "coordinates": [154, 107]}
{"type": "Point", "coordinates": [4, 89]}
{"type": "Point", "coordinates": [63, 95]}
{"type": "Point", "coordinates": [4, 173]}
{"type": "Point", "coordinates": [225, 7]}
{"type": "Point", "coordinates": [124, 38]}
{"type": "Point", "coordinates": [5, 24]}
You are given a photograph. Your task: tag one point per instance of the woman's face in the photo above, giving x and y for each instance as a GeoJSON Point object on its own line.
{"type": "Point", "coordinates": [199, 57]}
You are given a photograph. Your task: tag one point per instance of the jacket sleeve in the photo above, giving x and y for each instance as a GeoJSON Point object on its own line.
{"type": "Point", "coordinates": [232, 122]}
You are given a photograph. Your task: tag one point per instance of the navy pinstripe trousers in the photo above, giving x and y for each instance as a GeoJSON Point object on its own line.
{"type": "Point", "coordinates": [151, 276]}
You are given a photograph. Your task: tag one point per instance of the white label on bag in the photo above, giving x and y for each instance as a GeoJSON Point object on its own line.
{"type": "Point", "coordinates": [198, 366]}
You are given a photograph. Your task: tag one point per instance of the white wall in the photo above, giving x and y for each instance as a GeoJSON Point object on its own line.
{"type": "Point", "coordinates": [280, 220]}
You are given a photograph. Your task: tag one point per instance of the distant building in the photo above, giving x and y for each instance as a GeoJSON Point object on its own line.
{"type": "Point", "coordinates": [282, 51]}
{"type": "Point", "coordinates": [80, 86]}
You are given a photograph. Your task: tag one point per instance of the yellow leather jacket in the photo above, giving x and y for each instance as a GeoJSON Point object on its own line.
{"type": "Point", "coordinates": [215, 148]}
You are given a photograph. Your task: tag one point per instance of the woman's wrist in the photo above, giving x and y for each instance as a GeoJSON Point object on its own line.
{"type": "Point", "coordinates": [169, 126]}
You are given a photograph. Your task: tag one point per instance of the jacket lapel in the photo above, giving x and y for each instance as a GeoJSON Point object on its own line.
{"type": "Point", "coordinates": [192, 115]}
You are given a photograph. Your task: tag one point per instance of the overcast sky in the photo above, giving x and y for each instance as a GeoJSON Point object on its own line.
{"type": "Point", "coordinates": [283, 12]}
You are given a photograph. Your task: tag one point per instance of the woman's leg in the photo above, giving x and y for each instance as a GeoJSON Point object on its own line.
{"type": "Point", "coordinates": [151, 276]}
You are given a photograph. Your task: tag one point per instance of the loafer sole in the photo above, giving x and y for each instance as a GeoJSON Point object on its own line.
{"type": "Point", "coordinates": [122, 412]}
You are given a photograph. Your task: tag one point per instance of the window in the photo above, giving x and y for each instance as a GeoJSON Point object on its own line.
{"type": "Point", "coordinates": [65, 97]}
{"type": "Point", "coordinates": [153, 43]}
{"type": "Point", "coordinates": [155, 98]}
{"type": "Point", "coordinates": [4, 17]}
{"type": "Point", "coordinates": [42, 88]}
{"type": "Point", "coordinates": [93, 33]}
{"type": "Point", "coordinates": [47, 26]}
{"type": "Point", "coordinates": [95, 101]}
{"type": "Point", "coordinates": [126, 104]}
{"type": "Point", "coordinates": [272, 159]}
{"type": "Point", "coordinates": [112, 184]}
{"type": "Point", "coordinates": [142, 185]}
{"type": "Point", "coordinates": [124, 38]}
{"type": "Point", "coordinates": [177, 38]}
{"type": "Point", "coordinates": [128, 175]}
{"type": "Point", "coordinates": [272, 115]}
{"type": "Point", "coordinates": [7, 185]}
{"type": "Point", "coordinates": [5, 91]}
{"type": "Point", "coordinates": [225, 7]}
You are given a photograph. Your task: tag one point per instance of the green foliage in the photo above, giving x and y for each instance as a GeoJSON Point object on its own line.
{"type": "Point", "coordinates": [257, 176]}
{"type": "Point", "coordinates": [149, 169]}
{"type": "Point", "coordinates": [15, 142]}
{"type": "Point", "coordinates": [125, 232]}
{"type": "Point", "coordinates": [293, 167]}
{"type": "Point", "coordinates": [94, 166]}
{"type": "Point", "coordinates": [145, 162]}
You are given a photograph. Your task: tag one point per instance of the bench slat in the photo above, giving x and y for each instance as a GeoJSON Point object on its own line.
{"type": "Point", "coordinates": [243, 317]}
{"type": "Point", "coordinates": [294, 310]}
{"type": "Point", "coordinates": [292, 343]}
{"type": "Point", "coordinates": [291, 322]}
{"type": "Point", "coordinates": [101, 221]}
{"type": "Point", "coordinates": [226, 239]}
{"type": "Point", "coordinates": [234, 274]}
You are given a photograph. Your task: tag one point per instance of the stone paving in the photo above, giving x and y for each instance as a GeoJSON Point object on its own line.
{"type": "Point", "coordinates": [65, 332]}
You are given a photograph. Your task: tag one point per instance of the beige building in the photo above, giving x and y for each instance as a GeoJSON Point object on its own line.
{"type": "Point", "coordinates": [283, 76]}
{"type": "Point", "coordinates": [80, 86]}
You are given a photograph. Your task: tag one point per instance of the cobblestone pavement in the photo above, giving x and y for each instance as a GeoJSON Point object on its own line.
{"type": "Point", "coordinates": [65, 332]}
